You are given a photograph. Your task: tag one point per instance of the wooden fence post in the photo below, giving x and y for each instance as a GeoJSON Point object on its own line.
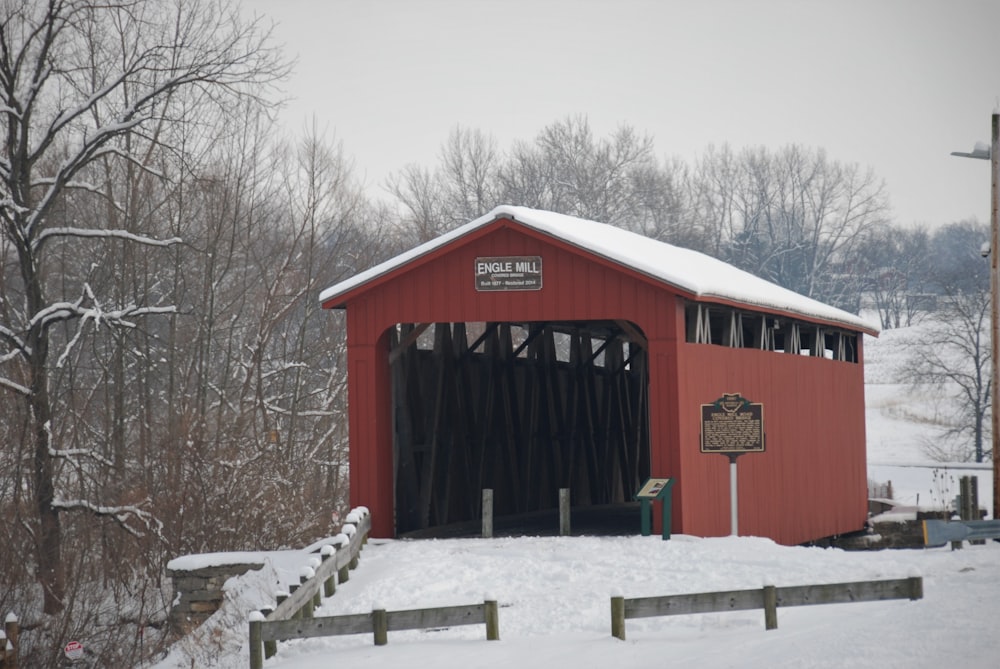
{"type": "Point", "coordinates": [305, 576]}
{"type": "Point", "coordinates": [492, 620]}
{"type": "Point", "coordinates": [380, 627]}
{"type": "Point", "coordinates": [314, 564]}
{"type": "Point", "coordinates": [292, 589]}
{"type": "Point", "coordinates": [564, 512]}
{"type": "Point", "coordinates": [618, 617]}
{"type": "Point", "coordinates": [256, 647]}
{"type": "Point", "coordinates": [353, 564]}
{"type": "Point", "coordinates": [330, 584]}
{"type": "Point", "coordinates": [13, 631]}
{"type": "Point", "coordinates": [770, 607]}
{"type": "Point", "coordinates": [487, 513]}
{"type": "Point", "coordinates": [270, 647]}
{"type": "Point", "coordinates": [964, 512]}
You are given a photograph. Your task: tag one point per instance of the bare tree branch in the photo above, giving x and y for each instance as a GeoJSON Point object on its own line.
{"type": "Point", "coordinates": [120, 514]}
{"type": "Point", "coordinates": [49, 233]}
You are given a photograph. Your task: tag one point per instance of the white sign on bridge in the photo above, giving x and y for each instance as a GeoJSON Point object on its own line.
{"type": "Point", "coordinates": [509, 273]}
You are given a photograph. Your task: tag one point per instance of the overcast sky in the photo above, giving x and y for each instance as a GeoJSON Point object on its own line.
{"type": "Point", "coordinates": [891, 84]}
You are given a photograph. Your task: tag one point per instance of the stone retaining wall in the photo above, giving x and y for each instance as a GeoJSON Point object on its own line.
{"type": "Point", "coordinates": [198, 593]}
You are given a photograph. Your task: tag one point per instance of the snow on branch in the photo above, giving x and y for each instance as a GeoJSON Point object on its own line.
{"type": "Point", "coordinates": [74, 452]}
{"type": "Point", "coordinates": [116, 234]}
{"type": "Point", "coordinates": [67, 116]}
{"type": "Point", "coordinates": [10, 355]}
{"type": "Point", "coordinates": [63, 311]}
{"type": "Point", "coordinates": [285, 367]}
{"type": "Point", "coordinates": [16, 342]}
{"type": "Point", "coordinates": [128, 157]}
{"type": "Point", "coordinates": [120, 514]}
{"type": "Point", "coordinates": [16, 387]}
{"type": "Point", "coordinates": [8, 203]}
{"type": "Point", "coordinates": [311, 413]}
{"type": "Point", "coordinates": [118, 318]}
{"type": "Point", "coordinates": [76, 185]}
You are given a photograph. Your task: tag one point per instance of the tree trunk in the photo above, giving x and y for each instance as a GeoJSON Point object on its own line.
{"type": "Point", "coordinates": [51, 572]}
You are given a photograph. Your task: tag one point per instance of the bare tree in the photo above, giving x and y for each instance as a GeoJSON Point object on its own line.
{"type": "Point", "coordinates": [955, 261]}
{"type": "Point", "coordinates": [895, 262]}
{"type": "Point", "coordinates": [469, 161]}
{"type": "Point", "coordinates": [425, 213]}
{"type": "Point", "coordinates": [793, 217]}
{"type": "Point", "coordinates": [954, 359]}
{"type": "Point", "coordinates": [84, 84]}
{"type": "Point", "coordinates": [954, 356]}
{"type": "Point", "coordinates": [566, 169]}
{"type": "Point", "coordinates": [711, 191]}
{"type": "Point", "coordinates": [569, 171]}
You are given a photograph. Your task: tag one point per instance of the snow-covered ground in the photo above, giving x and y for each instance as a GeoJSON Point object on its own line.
{"type": "Point", "coordinates": [900, 422]}
{"type": "Point", "coordinates": [554, 592]}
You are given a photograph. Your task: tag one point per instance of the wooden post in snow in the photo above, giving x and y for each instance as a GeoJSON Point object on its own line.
{"type": "Point", "coordinates": [330, 584]}
{"type": "Point", "coordinates": [270, 647]}
{"type": "Point", "coordinates": [256, 646]}
{"type": "Point", "coordinates": [770, 607]}
{"type": "Point", "coordinates": [380, 627]}
{"type": "Point", "coordinates": [487, 513]}
{"type": "Point", "coordinates": [618, 617]}
{"type": "Point", "coordinates": [13, 631]}
{"type": "Point", "coordinates": [564, 528]}
{"type": "Point", "coordinates": [492, 615]}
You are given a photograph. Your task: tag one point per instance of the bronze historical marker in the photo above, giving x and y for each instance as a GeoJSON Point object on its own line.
{"type": "Point", "coordinates": [732, 424]}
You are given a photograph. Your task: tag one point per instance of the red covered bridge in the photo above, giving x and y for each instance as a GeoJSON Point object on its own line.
{"type": "Point", "coordinates": [529, 351]}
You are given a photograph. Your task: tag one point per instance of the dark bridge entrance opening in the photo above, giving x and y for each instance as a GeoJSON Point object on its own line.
{"type": "Point", "coordinates": [522, 408]}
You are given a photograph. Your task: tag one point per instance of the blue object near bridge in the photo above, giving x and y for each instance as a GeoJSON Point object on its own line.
{"type": "Point", "coordinates": [940, 532]}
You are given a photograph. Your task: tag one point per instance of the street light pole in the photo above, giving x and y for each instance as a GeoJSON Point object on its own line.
{"type": "Point", "coordinates": [993, 155]}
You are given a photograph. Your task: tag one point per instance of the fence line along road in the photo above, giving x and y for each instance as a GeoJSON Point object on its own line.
{"type": "Point", "coordinates": [337, 561]}
{"type": "Point", "coordinates": [379, 622]}
{"type": "Point", "coordinates": [768, 598]}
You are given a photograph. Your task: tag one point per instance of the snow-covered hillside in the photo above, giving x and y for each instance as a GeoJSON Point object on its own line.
{"type": "Point", "coordinates": [900, 422]}
{"type": "Point", "coordinates": [554, 592]}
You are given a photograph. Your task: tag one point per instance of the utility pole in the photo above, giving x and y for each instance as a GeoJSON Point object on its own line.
{"type": "Point", "coordinates": [993, 155]}
{"type": "Point", "coordinates": [995, 308]}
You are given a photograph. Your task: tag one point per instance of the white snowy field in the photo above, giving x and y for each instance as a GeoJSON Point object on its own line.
{"type": "Point", "coordinates": [901, 422]}
{"type": "Point", "coordinates": [554, 597]}
{"type": "Point", "coordinates": [554, 592]}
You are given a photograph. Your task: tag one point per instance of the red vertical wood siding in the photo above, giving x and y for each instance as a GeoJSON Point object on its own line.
{"type": "Point", "coordinates": [442, 288]}
{"type": "Point", "coordinates": [811, 481]}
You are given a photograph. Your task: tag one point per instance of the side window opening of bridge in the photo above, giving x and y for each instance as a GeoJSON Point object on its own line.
{"type": "Point", "coordinates": [722, 325]}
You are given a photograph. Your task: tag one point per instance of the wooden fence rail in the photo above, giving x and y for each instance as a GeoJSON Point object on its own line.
{"type": "Point", "coordinates": [293, 617]}
{"type": "Point", "coordinates": [379, 622]}
{"type": "Point", "coordinates": [768, 598]}
{"type": "Point", "coordinates": [336, 562]}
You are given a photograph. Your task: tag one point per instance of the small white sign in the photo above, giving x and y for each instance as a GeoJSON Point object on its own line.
{"type": "Point", "coordinates": [74, 650]}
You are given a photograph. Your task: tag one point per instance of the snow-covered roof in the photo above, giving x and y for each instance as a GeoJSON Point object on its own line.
{"type": "Point", "coordinates": [704, 277]}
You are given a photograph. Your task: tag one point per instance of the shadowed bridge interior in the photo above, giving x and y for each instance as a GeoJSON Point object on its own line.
{"type": "Point", "coordinates": [524, 409]}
